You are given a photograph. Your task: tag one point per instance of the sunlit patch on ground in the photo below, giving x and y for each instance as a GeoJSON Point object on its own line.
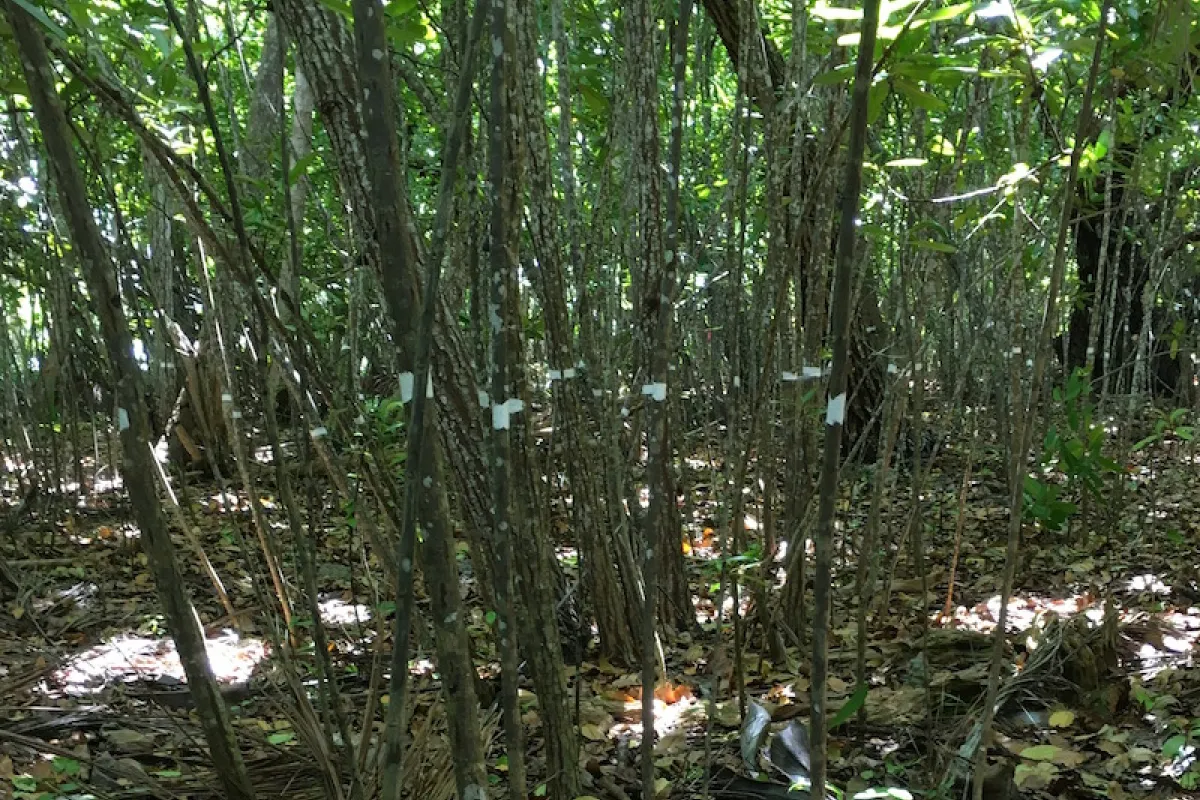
{"type": "Point", "coordinates": [227, 501]}
{"type": "Point", "coordinates": [1023, 611]}
{"type": "Point", "coordinates": [81, 594]}
{"type": "Point", "coordinates": [106, 485]}
{"type": "Point", "coordinates": [128, 657]}
{"type": "Point", "coordinates": [102, 533]}
{"type": "Point", "coordinates": [1165, 642]}
{"type": "Point", "coordinates": [706, 607]}
{"type": "Point", "coordinates": [336, 611]}
{"type": "Point", "coordinates": [1148, 583]}
{"type": "Point", "coordinates": [421, 667]}
{"type": "Point", "coordinates": [673, 705]}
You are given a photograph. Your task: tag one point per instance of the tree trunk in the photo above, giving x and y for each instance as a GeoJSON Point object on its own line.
{"type": "Point", "coordinates": [132, 417]}
{"type": "Point", "coordinates": [611, 589]}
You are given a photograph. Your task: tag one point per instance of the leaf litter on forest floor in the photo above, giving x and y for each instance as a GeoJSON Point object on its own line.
{"type": "Point", "coordinates": [1139, 723]}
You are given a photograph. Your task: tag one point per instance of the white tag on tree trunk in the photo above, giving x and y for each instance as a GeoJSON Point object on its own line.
{"type": "Point", "coordinates": [836, 412]}
{"type": "Point", "coordinates": [502, 412]}
{"type": "Point", "coordinates": [122, 419]}
{"type": "Point", "coordinates": [406, 386]}
{"type": "Point", "coordinates": [656, 391]}
{"type": "Point", "coordinates": [811, 372]}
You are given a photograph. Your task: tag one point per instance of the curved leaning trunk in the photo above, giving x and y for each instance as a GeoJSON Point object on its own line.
{"type": "Point", "coordinates": [133, 418]}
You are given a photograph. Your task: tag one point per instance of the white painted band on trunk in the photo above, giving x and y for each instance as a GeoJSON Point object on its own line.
{"type": "Point", "coordinates": [502, 412]}
{"type": "Point", "coordinates": [656, 391]}
{"type": "Point", "coordinates": [836, 412]}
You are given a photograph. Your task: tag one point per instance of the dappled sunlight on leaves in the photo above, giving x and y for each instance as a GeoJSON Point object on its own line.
{"type": "Point", "coordinates": [337, 611]}
{"type": "Point", "coordinates": [129, 657]}
{"type": "Point", "coordinates": [1024, 611]}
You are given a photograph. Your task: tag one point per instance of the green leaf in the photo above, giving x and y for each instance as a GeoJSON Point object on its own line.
{"type": "Point", "coordinates": [1173, 746]}
{"type": "Point", "coordinates": [1084, 44]}
{"type": "Point", "coordinates": [917, 96]}
{"type": "Point", "coordinates": [1040, 752]}
{"type": "Point", "coordinates": [945, 13]}
{"type": "Point", "coordinates": [283, 737]}
{"type": "Point", "coordinates": [169, 79]}
{"type": "Point", "coordinates": [875, 100]}
{"type": "Point", "coordinates": [490, 618]}
{"type": "Point", "coordinates": [834, 76]}
{"type": "Point", "coordinates": [65, 766]}
{"type": "Point", "coordinates": [408, 32]}
{"type": "Point", "coordinates": [300, 168]}
{"type": "Point", "coordinates": [44, 19]}
{"type": "Point", "coordinates": [24, 783]}
{"type": "Point", "coordinates": [915, 71]}
{"type": "Point", "coordinates": [398, 8]}
{"type": "Point", "coordinates": [593, 99]}
{"type": "Point", "coordinates": [833, 13]}
{"type": "Point", "coordinates": [1145, 442]}
{"type": "Point", "coordinates": [929, 244]}
{"type": "Point", "coordinates": [853, 704]}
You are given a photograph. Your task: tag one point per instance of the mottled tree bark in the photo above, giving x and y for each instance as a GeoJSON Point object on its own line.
{"type": "Point", "coordinates": [612, 592]}
{"type": "Point", "coordinates": [426, 496]}
{"type": "Point", "coordinates": [505, 324]}
{"type": "Point", "coordinates": [132, 417]}
{"type": "Point", "coordinates": [325, 52]}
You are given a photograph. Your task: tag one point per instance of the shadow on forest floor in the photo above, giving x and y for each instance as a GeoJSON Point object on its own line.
{"type": "Point", "coordinates": [1100, 691]}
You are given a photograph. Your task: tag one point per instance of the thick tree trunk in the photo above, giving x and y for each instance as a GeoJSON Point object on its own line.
{"type": "Point", "coordinates": [612, 590]}
{"type": "Point", "coordinates": [325, 52]}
